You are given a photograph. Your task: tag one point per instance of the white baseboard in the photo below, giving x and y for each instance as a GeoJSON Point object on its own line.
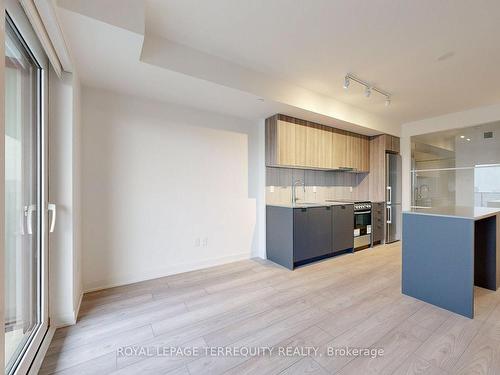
{"type": "Point", "coordinates": [70, 319]}
{"type": "Point", "coordinates": [40, 355]}
{"type": "Point", "coordinates": [131, 278]}
{"type": "Point", "coordinates": [77, 311]}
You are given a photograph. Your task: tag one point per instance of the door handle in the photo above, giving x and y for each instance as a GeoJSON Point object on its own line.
{"type": "Point", "coordinates": [52, 208]}
{"type": "Point", "coordinates": [389, 191]}
{"type": "Point", "coordinates": [28, 214]}
{"type": "Point", "coordinates": [389, 215]}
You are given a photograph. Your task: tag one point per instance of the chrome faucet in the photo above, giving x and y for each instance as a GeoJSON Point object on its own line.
{"type": "Point", "coordinates": [294, 193]}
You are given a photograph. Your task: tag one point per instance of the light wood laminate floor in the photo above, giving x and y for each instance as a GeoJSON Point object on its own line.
{"type": "Point", "coordinates": [353, 300]}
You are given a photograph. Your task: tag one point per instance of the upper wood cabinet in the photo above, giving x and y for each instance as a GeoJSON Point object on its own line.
{"type": "Point", "coordinates": [377, 183]}
{"type": "Point", "coordinates": [391, 143]}
{"type": "Point", "coordinates": [339, 146]}
{"type": "Point", "coordinates": [353, 154]}
{"type": "Point", "coordinates": [286, 137]}
{"type": "Point", "coordinates": [365, 154]}
{"type": "Point", "coordinates": [300, 144]}
{"type": "Point", "coordinates": [396, 144]}
{"type": "Point", "coordinates": [297, 143]}
{"type": "Point", "coordinates": [313, 136]}
{"type": "Point", "coordinates": [357, 152]}
{"type": "Point", "coordinates": [325, 147]}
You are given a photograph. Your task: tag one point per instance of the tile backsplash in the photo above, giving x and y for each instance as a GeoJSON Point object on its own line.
{"type": "Point", "coordinates": [319, 185]}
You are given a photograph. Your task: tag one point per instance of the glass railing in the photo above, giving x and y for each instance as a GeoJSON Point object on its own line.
{"type": "Point", "coordinates": [463, 186]}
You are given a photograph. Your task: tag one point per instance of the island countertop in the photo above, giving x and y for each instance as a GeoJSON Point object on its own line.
{"type": "Point", "coordinates": [460, 212]}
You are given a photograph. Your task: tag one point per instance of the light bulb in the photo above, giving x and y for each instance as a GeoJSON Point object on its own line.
{"type": "Point", "coordinates": [347, 82]}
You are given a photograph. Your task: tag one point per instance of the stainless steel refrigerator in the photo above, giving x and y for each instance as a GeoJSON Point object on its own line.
{"type": "Point", "coordinates": [393, 197]}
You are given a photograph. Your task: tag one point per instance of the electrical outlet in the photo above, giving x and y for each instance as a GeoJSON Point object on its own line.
{"type": "Point", "coordinates": [315, 189]}
{"type": "Point", "coordinates": [271, 189]}
{"type": "Point", "coordinates": [350, 189]}
{"type": "Point", "coordinates": [205, 242]}
{"type": "Point", "coordinates": [197, 242]}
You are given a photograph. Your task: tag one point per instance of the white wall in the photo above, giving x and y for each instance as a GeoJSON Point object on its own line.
{"type": "Point", "coordinates": [157, 178]}
{"type": "Point", "coordinates": [472, 117]}
{"type": "Point", "coordinates": [64, 243]}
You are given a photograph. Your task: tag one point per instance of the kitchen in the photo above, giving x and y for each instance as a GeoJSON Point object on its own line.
{"type": "Point", "coordinates": [328, 191]}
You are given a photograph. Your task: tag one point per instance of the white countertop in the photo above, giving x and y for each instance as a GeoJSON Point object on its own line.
{"type": "Point", "coordinates": [462, 212]}
{"type": "Point", "coordinates": [308, 204]}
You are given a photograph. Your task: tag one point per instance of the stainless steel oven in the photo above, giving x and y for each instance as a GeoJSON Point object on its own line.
{"type": "Point", "coordinates": [362, 224]}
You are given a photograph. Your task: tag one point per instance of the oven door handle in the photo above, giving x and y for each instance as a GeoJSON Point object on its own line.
{"type": "Point", "coordinates": [362, 212]}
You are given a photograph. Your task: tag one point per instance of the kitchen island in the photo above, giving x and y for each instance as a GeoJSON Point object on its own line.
{"type": "Point", "coordinates": [448, 250]}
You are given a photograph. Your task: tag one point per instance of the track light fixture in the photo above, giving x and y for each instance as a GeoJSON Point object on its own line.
{"type": "Point", "coordinates": [368, 87]}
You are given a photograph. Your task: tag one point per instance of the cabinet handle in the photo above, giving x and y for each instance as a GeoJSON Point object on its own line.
{"type": "Point", "coordinates": [348, 169]}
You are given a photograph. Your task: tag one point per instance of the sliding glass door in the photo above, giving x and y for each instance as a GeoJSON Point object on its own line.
{"type": "Point", "coordinates": [26, 318]}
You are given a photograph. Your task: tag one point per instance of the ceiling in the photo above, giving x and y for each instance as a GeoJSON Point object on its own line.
{"type": "Point", "coordinates": [435, 57]}
{"type": "Point", "coordinates": [447, 139]}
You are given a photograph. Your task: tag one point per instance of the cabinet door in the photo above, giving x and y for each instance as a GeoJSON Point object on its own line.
{"type": "Point", "coordinates": [343, 227]}
{"type": "Point", "coordinates": [339, 144]}
{"type": "Point", "coordinates": [300, 145]}
{"type": "Point", "coordinates": [388, 142]}
{"type": "Point", "coordinates": [313, 134]}
{"type": "Point", "coordinates": [392, 143]}
{"type": "Point", "coordinates": [395, 144]}
{"type": "Point", "coordinates": [325, 147]}
{"type": "Point", "coordinates": [320, 231]}
{"type": "Point", "coordinates": [353, 154]}
{"type": "Point", "coordinates": [286, 143]}
{"type": "Point", "coordinates": [312, 232]}
{"type": "Point", "coordinates": [365, 155]}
